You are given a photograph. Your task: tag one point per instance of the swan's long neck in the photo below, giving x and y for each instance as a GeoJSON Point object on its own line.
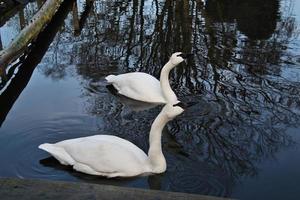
{"type": "Point", "coordinates": [156, 157]}
{"type": "Point", "coordinates": [168, 93]}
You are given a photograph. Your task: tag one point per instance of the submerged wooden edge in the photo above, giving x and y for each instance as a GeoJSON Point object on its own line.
{"type": "Point", "coordinates": [33, 189]}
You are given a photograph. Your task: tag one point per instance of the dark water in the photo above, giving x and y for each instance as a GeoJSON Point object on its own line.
{"type": "Point", "coordinates": [241, 137]}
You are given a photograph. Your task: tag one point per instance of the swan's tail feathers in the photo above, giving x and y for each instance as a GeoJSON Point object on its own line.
{"type": "Point", "coordinates": [59, 153]}
{"type": "Point", "coordinates": [110, 78]}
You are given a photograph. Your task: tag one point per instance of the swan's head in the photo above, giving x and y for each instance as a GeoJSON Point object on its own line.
{"type": "Point", "coordinates": [173, 110]}
{"type": "Point", "coordinates": [179, 57]}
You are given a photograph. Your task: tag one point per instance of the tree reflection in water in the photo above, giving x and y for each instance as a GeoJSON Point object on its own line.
{"type": "Point", "coordinates": [245, 100]}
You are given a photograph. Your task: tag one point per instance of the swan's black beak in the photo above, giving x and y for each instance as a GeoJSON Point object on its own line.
{"type": "Point", "coordinates": [186, 55]}
{"type": "Point", "coordinates": [180, 104]}
{"type": "Point", "coordinates": [184, 105]}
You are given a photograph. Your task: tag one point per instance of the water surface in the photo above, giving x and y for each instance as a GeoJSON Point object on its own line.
{"type": "Point", "coordinates": [240, 138]}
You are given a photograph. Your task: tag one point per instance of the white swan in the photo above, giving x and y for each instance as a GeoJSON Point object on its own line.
{"type": "Point", "coordinates": [144, 87]}
{"type": "Point", "coordinates": [111, 156]}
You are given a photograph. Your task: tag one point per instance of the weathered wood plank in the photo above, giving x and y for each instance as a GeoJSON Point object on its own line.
{"type": "Point", "coordinates": [11, 189]}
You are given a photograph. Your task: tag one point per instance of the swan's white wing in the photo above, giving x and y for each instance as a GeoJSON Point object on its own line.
{"type": "Point", "coordinates": [139, 86]}
{"type": "Point", "coordinates": [106, 154]}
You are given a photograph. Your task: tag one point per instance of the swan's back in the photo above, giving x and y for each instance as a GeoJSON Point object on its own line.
{"type": "Point", "coordinates": [139, 86]}
{"type": "Point", "coordinates": [104, 155]}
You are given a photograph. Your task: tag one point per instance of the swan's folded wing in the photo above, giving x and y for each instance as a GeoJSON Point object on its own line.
{"type": "Point", "coordinates": [141, 86]}
{"type": "Point", "coordinates": [106, 153]}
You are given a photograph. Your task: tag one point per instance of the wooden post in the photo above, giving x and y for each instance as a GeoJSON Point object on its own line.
{"type": "Point", "coordinates": [1, 46]}
{"type": "Point", "coordinates": [9, 12]}
{"type": "Point", "coordinates": [22, 19]}
{"type": "Point", "coordinates": [75, 19]}
{"type": "Point", "coordinates": [2, 71]}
